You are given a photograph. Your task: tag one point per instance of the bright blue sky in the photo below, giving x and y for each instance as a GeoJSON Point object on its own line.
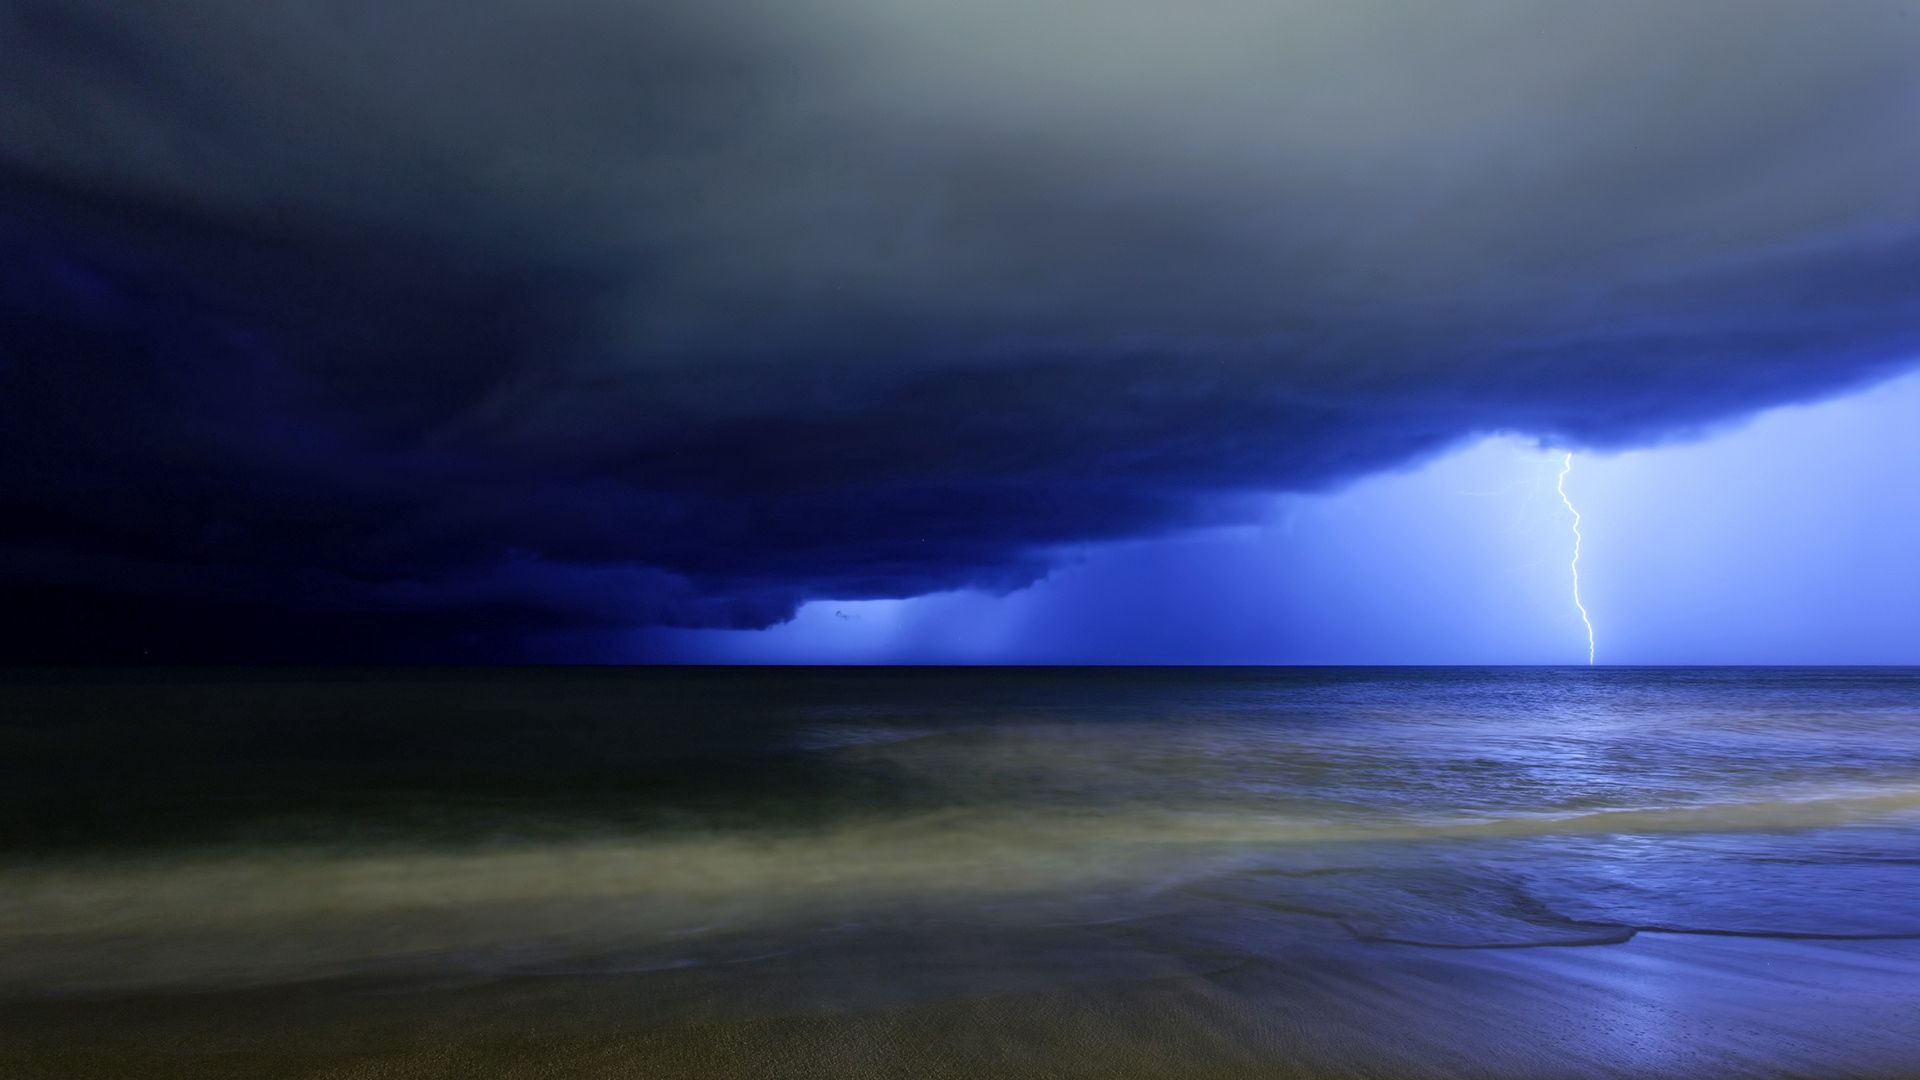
{"type": "Point", "coordinates": [1786, 538]}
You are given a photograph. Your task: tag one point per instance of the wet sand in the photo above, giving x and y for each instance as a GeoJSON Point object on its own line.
{"type": "Point", "coordinates": [1195, 997]}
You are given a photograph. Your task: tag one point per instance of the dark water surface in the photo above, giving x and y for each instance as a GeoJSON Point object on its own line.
{"type": "Point", "coordinates": [1046, 872]}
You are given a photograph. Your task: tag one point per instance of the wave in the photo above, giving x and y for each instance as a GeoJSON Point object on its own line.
{"type": "Point", "coordinates": [272, 914]}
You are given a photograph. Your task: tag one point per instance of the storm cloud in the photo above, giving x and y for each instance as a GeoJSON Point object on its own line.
{"type": "Point", "coordinates": [418, 330]}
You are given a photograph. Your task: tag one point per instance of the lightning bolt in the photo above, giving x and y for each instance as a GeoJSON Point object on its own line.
{"type": "Point", "coordinates": [1565, 468]}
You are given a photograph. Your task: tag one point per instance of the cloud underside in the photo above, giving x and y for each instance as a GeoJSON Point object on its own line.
{"type": "Point", "coordinates": [333, 331]}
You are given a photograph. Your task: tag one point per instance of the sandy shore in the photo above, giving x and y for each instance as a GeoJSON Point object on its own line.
{"type": "Point", "coordinates": [1486, 875]}
{"type": "Point", "coordinates": [1659, 1005]}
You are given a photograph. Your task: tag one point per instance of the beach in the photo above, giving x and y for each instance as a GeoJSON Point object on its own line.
{"type": "Point", "coordinates": [1391, 873]}
{"type": "Point", "coordinates": [1656, 1006]}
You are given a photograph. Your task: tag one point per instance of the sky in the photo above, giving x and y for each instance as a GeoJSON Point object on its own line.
{"type": "Point", "coordinates": [881, 330]}
{"type": "Point", "coordinates": [1783, 539]}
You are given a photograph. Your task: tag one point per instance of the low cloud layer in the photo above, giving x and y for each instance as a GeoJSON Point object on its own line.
{"type": "Point", "coordinates": [333, 330]}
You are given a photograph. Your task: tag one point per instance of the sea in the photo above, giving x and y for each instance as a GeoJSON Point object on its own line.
{"type": "Point", "coordinates": [984, 872]}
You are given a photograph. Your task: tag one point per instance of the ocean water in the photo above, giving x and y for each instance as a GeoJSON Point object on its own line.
{"type": "Point", "coordinates": [726, 846]}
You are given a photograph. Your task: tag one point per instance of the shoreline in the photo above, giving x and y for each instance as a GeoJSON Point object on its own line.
{"type": "Point", "coordinates": [1659, 1005]}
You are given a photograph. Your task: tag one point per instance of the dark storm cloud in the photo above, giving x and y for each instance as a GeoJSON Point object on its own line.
{"type": "Point", "coordinates": [415, 329]}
